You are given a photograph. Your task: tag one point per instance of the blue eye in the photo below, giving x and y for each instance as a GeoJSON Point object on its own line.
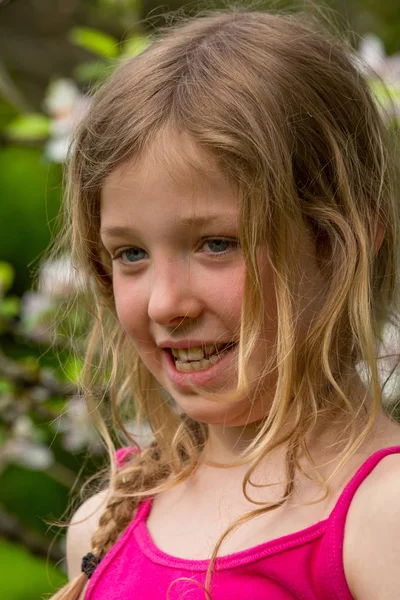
{"type": "Point", "coordinates": [132, 255]}
{"type": "Point", "coordinates": [216, 247]}
{"type": "Point", "coordinates": [221, 245]}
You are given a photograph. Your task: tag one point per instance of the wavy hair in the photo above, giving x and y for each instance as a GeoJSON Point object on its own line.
{"type": "Point", "coordinates": [279, 103]}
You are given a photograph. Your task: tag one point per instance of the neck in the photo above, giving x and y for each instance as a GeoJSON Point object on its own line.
{"type": "Point", "coordinates": [226, 443]}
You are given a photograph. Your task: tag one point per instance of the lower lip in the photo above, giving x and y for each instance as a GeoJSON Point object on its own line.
{"type": "Point", "coordinates": [198, 378]}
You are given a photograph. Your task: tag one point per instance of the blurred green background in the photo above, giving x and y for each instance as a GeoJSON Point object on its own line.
{"type": "Point", "coordinates": [51, 53]}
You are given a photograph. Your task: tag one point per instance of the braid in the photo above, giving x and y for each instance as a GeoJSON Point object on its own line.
{"type": "Point", "coordinates": [140, 472]}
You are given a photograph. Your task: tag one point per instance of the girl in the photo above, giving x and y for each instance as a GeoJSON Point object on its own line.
{"type": "Point", "coordinates": [232, 206]}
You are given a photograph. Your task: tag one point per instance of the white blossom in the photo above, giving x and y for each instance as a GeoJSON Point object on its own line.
{"type": "Point", "coordinates": [58, 278]}
{"type": "Point", "coordinates": [142, 435]}
{"type": "Point", "coordinates": [378, 67]}
{"type": "Point", "coordinates": [25, 448]}
{"type": "Point", "coordinates": [372, 52]}
{"type": "Point", "coordinates": [77, 428]}
{"type": "Point", "coordinates": [388, 369]}
{"type": "Point", "coordinates": [66, 105]}
{"type": "Point", "coordinates": [34, 308]}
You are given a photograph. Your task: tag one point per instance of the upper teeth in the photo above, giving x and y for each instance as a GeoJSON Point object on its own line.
{"type": "Point", "coordinates": [196, 353]}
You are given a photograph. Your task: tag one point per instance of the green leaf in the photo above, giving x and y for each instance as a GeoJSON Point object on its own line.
{"type": "Point", "coordinates": [7, 275]}
{"type": "Point", "coordinates": [33, 126]}
{"type": "Point", "coordinates": [93, 71]}
{"type": "Point", "coordinates": [385, 92]}
{"type": "Point", "coordinates": [95, 41]}
{"type": "Point", "coordinates": [6, 387]}
{"type": "Point", "coordinates": [73, 368]}
{"type": "Point", "coordinates": [9, 307]}
{"type": "Point", "coordinates": [135, 45]}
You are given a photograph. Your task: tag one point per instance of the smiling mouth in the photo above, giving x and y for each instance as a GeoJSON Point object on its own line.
{"type": "Point", "coordinates": [199, 358]}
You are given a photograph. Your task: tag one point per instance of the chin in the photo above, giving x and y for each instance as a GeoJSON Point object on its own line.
{"type": "Point", "coordinates": [228, 414]}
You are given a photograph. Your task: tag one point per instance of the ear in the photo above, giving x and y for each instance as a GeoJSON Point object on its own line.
{"type": "Point", "coordinates": [379, 236]}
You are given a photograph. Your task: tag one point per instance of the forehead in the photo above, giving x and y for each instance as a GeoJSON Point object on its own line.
{"type": "Point", "coordinates": [173, 174]}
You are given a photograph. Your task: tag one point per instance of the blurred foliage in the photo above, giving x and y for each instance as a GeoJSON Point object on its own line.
{"type": "Point", "coordinates": [382, 18]}
{"type": "Point", "coordinates": [30, 191]}
{"type": "Point", "coordinates": [25, 576]}
{"type": "Point", "coordinates": [47, 444]}
{"type": "Point", "coordinates": [95, 41]}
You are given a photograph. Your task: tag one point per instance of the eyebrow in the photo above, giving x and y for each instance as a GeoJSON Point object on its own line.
{"type": "Point", "coordinates": [120, 231]}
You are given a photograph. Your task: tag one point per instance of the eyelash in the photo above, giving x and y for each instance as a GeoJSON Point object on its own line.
{"type": "Point", "coordinates": [234, 245]}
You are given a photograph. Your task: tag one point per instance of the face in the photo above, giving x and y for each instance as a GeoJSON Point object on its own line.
{"type": "Point", "coordinates": [178, 278]}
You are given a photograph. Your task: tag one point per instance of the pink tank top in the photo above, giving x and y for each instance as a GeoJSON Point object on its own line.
{"type": "Point", "coordinates": [306, 565]}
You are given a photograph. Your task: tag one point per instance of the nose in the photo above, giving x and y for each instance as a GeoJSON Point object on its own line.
{"type": "Point", "coordinates": [173, 296]}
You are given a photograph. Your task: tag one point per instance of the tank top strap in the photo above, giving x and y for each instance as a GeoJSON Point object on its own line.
{"type": "Point", "coordinates": [335, 529]}
{"type": "Point", "coordinates": [342, 506]}
{"type": "Point", "coordinates": [143, 510]}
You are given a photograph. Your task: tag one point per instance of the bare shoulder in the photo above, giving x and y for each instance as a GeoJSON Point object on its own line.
{"type": "Point", "coordinates": [81, 529]}
{"type": "Point", "coordinates": [85, 521]}
{"type": "Point", "coordinates": [372, 535]}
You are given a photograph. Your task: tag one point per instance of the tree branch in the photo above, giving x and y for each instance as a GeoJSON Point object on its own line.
{"type": "Point", "coordinates": [11, 93]}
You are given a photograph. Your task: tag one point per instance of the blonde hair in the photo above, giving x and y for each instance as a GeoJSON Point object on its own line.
{"type": "Point", "coordinates": [280, 105]}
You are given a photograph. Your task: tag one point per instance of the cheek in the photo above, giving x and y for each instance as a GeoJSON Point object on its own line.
{"type": "Point", "coordinates": [221, 297]}
{"type": "Point", "coordinates": [130, 308]}
{"type": "Point", "coordinates": [224, 298]}
{"type": "Point", "coordinates": [226, 293]}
